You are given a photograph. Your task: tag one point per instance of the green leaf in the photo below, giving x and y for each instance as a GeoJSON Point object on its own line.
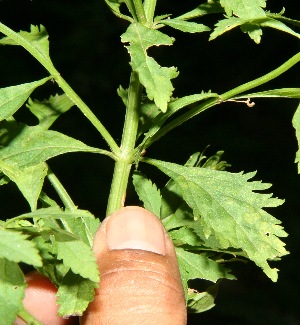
{"type": "Point", "coordinates": [148, 193]}
{"type": "Point", "coordinates": [180, 217]}
{"type": "Point", "coordinates": [48, 110]}
{"type": "Point", "coordinates": [173, 107]}
{"type": "Point", "coordinates": [198, 302]}
{"type": "Point", "coordinates": [283, 92]}
{"type": "Point", "coordinates": [210, 7]}
{"type": "Point", "coordinates": [284, 19]}
{"type": "Point", "coordinates": [74, 294]}
{"type": "Point", "coordinates": [253, 30]}
{"type": "Point", "coordinates": [250, 26]}
{"type": "Point", "coordinates": [15, 247]}
{"type": "Point", "coordinates": [29, 180]}
{"type": "Point", "coordinates": [224, 26]}
{"type": "Point", "coordinates": [227, 207]}
{"type": "Point", "coordinates": [155, 79]}
{"type": "Point", "coordinates": [185, 26]}
{"type": "Point", "coordinates": [12, 285]}
{"type": "Point", "coordinates": [247, 9]}
{"type": "Point", "coordinates": [12, 98]}
{"type": "Point", "coordinates": [172, 202]}
{"type": "Point", "coordinates": [296, 125]}
{"type": "Point", "coordinates": [276, 24]}
{"type": "Point", "coordinates": [80, 223]}
{"type": "Point", "coordinates": [114, 5]}
{"type": "Point", "coordinates": [24, 145]}
{"type": "Point", "coordinates": [52, 268]}
{"type": "Point", "coordinates": [198, 266]}
{"type": "Point", "coordinates": [185, 235]}
{"type": "Point", "coordinates": [37, 37]}
{"type": "Point", "coordinates": [77, 255]}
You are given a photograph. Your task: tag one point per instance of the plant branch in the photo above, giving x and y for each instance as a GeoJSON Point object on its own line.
{"type": "Point", "coordinates": [87, 113]}
{"type": "Point", "coordinates": [125, 159]}
{"type": "Point", "coordinates": [223, 97]}
{"type": "Point", "coordinates": [262, 80]}
{"type": "Point", "coordinates": [60, 190]}
{"type": "Point", "coordinates": [48, 65]}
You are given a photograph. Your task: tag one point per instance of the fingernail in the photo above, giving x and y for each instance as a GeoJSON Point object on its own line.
{"type": "Point", "coordinates": [135, 228]}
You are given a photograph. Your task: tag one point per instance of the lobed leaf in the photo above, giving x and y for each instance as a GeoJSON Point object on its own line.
{"type": "Point", "coordinates": [12, 285]}
{"type": "Point", "coordinates": [77, 255]}
{"type": "Point", "coordinates": [12, 98]}
{"type": "Point", "coordinates": [24, 145]}
{"type": "Point", "coordinates": [247, 9]}
{"type": "Point", "coordinates": [29, 179]}
{"type": "Point", "coordinates": [155, 79]}
{"type": "Point", "coordinates": [276, 24]}
{"type": "Point", "coordinates": [250, 26]}
{"type": "Point", "coordinates": [15, 247]}
{"type": "Point", "coordinates": [198, 266]}
{"type": "Point", "coordinates": [52, 268]}
{"type": "Point", "coordinates": [198, 302]}
{"type": "Point", "coordinates": [37, 37]}
{"type": "Point", "coordinates": [227, 208]}
{"type": "Point", "coordinates": [225, 25]}
{"type": "Point", "coordinates": [48, 110]}
{"type": "Point", "coordinates": [148, 193]}
{"type": "Point", "coordinates": [210, 7]}
{"type": "Point", "coordinates": [185, 26]}
{"type": "Point", "coordinates": [74, 294]}
{"type": "Point", "coordinates": [81, 223]}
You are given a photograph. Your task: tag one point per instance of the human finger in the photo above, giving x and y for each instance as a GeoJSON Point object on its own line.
{"type": "Point", "coordinates": [140, 279]}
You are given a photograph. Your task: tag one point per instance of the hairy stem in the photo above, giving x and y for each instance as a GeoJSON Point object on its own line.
{"type": "Point", "coordinates": [126, 158]}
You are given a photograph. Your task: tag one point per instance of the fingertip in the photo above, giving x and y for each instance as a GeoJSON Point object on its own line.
{"type": "Point", "coordinates": [139, 273]}
{"type": "Point", "coordinates": [40, 301]}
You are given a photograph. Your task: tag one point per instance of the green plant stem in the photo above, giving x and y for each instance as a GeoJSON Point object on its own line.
{"type": "Point", "coordinates": [223, 97]}
{"type": "Point", "coordinates": [87, 113]}
{"type": "Point", "coordinates": [60, 190]}
{"type": "Point", "coordinates": [262, 80]}
{"type": "Point", "coordinates": [130, 7]}
{"type": "Point", "coordinates": [28, 318]}
{"type": "Point", "coordinates": [126, 158]}
{"type": "Point", "coordinates": [140, 12]}
{"type": "Point", "coordinates": [46, 62]}
{"type": "Point", "coordinates": [149, 7]}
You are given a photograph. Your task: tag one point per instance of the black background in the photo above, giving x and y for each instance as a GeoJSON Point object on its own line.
{"type": "Point", "coordinates": [85, 47]}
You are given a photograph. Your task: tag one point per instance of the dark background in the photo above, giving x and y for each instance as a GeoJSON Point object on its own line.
{"type": "Point", "coordinates": [85, 47]}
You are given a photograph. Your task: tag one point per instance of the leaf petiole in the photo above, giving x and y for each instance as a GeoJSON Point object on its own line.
{"type": "Point", "coordinates": [222, 98]}
{"type": "Point", "coordinates": [46, 62]}
{"type": "Point", "coordinates": [60, 190]}
{"type": "Point", "coordinates": [27, 317]}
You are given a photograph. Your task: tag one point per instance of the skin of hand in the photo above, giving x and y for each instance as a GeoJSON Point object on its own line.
{"type": "Point", "coordinates": [140, 279]}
